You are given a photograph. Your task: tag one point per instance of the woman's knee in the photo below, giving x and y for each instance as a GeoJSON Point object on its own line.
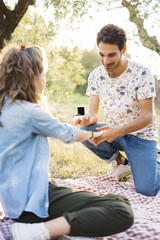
{"type": "Point", "coordinates": [122, 214]}
{"type": "Point", "coordinates": [126, 215]}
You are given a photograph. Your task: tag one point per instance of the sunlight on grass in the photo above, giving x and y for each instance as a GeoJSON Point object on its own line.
{"type": "Point", "coordinates": [74, 161]}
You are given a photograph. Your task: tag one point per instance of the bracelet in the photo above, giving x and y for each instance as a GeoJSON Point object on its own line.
{"type": "Point", "coordinates": [92, 135]}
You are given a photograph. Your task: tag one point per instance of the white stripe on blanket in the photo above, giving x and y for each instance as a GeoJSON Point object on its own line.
{"type": "Point", "coordinates": [146, 209]}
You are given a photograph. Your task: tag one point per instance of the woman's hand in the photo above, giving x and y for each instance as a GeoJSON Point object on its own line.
{"type": "Point", "coordinates": [95, 135]}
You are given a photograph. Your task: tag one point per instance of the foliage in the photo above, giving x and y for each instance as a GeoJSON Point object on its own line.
{"type": "Point", "coordinates": [65, 70]}
{"type": "Point", "coordinates": [68, 67]}
{"type": "Point", "coordinates": [68, 9]}
{"type": "Point", "coordinates": [89, 61]}
{"type": "Point", "coordinates": [144, 14]}
{"type": "Point", "coordinates": [32, 30]}
{"type": "Point", "coordinates": [64, 73]}
{"type": "Point", "coordinates": [70, 12]}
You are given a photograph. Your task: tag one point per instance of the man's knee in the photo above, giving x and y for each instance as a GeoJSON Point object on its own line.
{"type": "Point", "coordinates": [89, 127]}
{"type": "Point", "coordinates": [93, 127]}
{"type": "Point", "coordinates": [146, 190]}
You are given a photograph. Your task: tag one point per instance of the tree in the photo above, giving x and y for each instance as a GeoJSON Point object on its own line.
{"type": "Point", "coordinates": [73, 10]}
{"type": "Point", "coordinates": [31, 30]}
{"type": "Point", "coordinates": [89, 66]}
{"type": "Point", "coordinates": [64, 70]}
{"type": "Point", "coordinates": [9, 19]}
{"type": "Point", "coordinates": [65, 73]}
{"type": "Point", "coordinates": [139, 11]}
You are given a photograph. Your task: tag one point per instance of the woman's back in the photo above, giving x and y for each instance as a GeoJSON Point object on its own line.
{"type": "Point", "coordinates": [24, 160]}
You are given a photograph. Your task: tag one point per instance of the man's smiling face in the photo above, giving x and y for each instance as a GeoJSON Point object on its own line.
{"type": "Point", "coordinates": [110, 56]}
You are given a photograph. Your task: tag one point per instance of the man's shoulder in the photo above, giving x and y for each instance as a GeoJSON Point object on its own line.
{"type": "Point", "coordinates": [139, 67]}
{"type": "Point", "coordinates": [138, 70]}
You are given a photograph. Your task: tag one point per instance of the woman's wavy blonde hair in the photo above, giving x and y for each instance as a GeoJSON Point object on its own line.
{"type": "Point", "coordinates": [18, 67]}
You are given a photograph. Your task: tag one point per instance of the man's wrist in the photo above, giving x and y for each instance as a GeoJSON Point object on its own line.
{"type": "Point", "coordinates": [121, 131]}
{"type": "Point", "coordinates": [92, 119]}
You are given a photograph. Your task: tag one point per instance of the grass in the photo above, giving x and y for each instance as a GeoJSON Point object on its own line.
{"type": "Point", "coordinates": [74, 160]}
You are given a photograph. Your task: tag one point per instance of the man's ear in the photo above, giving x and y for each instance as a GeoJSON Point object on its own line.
{"type": "Point", "coordinates": [124, 49]}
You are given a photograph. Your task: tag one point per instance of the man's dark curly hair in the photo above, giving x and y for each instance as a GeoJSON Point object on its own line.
{"type": "Point", "coordinates": [112, 34]}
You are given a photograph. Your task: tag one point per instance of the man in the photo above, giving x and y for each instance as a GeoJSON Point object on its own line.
{"type": "Point", "coordinates": [126, 90]}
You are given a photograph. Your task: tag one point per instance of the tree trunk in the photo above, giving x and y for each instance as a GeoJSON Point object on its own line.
{"type": "Point", "coordinates": [10, 19]}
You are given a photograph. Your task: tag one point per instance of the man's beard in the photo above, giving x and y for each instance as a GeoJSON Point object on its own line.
{"type": "Point", "coordinates": [117, 65]}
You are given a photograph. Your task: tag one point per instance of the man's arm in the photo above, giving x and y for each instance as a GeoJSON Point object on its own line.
{"type": "Point", "coordinates": [92, 116]}
{"type": "Point", "coordinates": [144, 119]}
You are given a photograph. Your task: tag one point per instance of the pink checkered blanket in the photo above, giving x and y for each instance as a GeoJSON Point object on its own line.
{"type": "Point", "coordinates": [146, 209]}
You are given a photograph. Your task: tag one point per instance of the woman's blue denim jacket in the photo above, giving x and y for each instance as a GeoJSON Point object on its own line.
{"type": "Point", "coordinates": [24, 156]}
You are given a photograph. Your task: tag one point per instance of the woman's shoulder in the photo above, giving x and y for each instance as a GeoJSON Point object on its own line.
{"type": "Point", "coordinates": [19, 107]}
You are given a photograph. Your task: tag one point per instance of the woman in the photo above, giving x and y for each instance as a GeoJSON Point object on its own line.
{"type": "Point", "coordinates": [25, 193]}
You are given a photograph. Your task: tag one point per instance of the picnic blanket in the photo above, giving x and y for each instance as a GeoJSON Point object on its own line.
{"type": "Point", "coordinates": [146, 209]}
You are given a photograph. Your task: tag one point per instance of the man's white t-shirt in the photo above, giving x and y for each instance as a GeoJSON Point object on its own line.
{"type": "Point", "coordinates": [120, 96]}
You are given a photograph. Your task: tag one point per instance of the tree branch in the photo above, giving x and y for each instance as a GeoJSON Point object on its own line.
{"type": "Point", "coordinates": [4, 9]}
{"type": "Point", "coordinates": [23, 5]}
{"type": "Point", "coordinates": [150, 42]}
{"type": "Point", "coordinates": [10, 19]}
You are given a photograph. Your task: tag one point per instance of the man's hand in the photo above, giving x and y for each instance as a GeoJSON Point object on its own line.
{"type": "Point", "coordinates": [88, 119]}
{"type": "Point", "coordinates": [84, 121]}
{"type": "Point", "coordinates": [109, 134]}
{"type": "Point", "coordinates": [92, 116]}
